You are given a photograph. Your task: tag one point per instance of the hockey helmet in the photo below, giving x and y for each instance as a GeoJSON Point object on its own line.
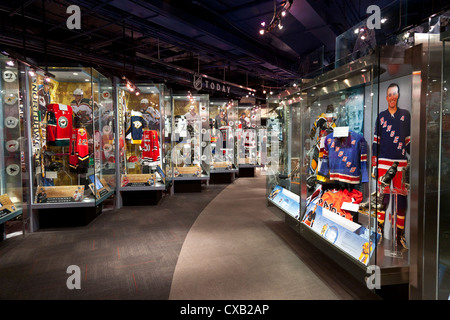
{"type": "Point", "coordinates": [78, 92]}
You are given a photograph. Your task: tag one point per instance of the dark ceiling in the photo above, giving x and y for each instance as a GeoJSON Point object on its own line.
{"type": "Point", "coordinates": [171, 40]}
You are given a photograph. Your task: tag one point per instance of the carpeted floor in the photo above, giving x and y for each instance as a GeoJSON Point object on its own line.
{"type": "Point", "coordinates": [222, 243]}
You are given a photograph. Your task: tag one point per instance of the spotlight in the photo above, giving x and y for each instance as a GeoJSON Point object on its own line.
{"type": "Point", "coordinates": [261, 32]}
{"type": "Point", "coordinates": [32, 72]}
{"type": "Point", "coordinates": [10, 63]}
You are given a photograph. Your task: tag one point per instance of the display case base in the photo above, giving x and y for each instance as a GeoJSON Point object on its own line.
{"type": "Point", "coordinates": [50, 218]}
{"type": "Point", "coordinates": [141, 197]}
{"type": "Point", "coordinates": [246, 172]}
{"type": "Point", "coordinates": [222, 177]}
{"type": "Point", "coordinates": [185, 186]}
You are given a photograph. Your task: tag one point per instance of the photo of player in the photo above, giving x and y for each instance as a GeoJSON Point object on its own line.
{"type": "Point", "coordinates": [391, 143]}
{"type": "Point", "coordinates": [355, 112]}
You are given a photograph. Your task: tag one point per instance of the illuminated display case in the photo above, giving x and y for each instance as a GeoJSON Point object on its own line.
{"type": "Point", "coordinates": [144, 127]}
{"type": "Point", "coordinates": [72, 138]}
{"type": "Point", "coordinates": [247, 137]}
{"type": "Point", "coordinates": [11, 192]}
{"type": "Point", "coordinates": [355, 156]}
{"type": "Point", "coordinates": [190, 154]}
{"type": "Point", "coordinates": [223, 124]}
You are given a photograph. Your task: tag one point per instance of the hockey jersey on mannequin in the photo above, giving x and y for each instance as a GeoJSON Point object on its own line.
{"type": "Point", "coordinates": [135, 127]}
{"type": "Point", "coordinates": [79, 150]}
{"type": "Point", "coordinates": [150, 148]}
{"type": "Point", "coordinates": [345, 159]}
{"type": "Point", "coordinates": [59, 124]}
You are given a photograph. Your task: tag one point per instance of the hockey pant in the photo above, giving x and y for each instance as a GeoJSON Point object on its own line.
{"type": "Point", "coordinates": [401, 210]}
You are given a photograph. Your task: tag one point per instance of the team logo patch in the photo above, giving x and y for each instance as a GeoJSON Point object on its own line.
{"type": "Point", "coordinates": [9, 76]}
{"type": "Point", "coordinates": [63, 122]}
{"type": "Point", "coordinates": [341, 153]}
{"type": "Point", "coordinates": [348, 164]}
{"type": "Point", "coordinates": [12, 145]}
{"type": "Point", "coordinates": [402, 118]}
{"type": "Point", "coordinates": [13, 169]}
{"type": "Point", "coordinates": [329, 140]}
{"type": "Point", "coordinates": [137, 124]}
{"type": "Point", "coordinates": [11, 122]}
{"type": "Point", "coordinates": [353, 142]}
{"type": "Point", "coordinates": [353, 169]}
{"type": "Point", "coordinates": [10, 99]}
{"type": "Point", "coordinates": [344, 159]}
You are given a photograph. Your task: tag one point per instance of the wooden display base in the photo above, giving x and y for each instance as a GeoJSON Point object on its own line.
{"type": "Point", "coordinates": [68, 217]}
{"type": "Point", "coordinates": [141, 197]}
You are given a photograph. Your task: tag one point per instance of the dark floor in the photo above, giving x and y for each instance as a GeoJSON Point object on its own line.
{"type": "Point", "coordinates": [148, 253]}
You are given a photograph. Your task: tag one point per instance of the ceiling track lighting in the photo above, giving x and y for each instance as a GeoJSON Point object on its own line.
{"type": "Point", "coordinates": [277, 15]}
{"type": "Point", "coordinates": [131, 86]}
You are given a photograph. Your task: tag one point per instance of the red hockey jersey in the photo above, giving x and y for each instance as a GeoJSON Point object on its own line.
{"type": "Point", "coordinates": [79, 150]}
{"type": "Point", "coordinates": [150, 147]}
{"type": "Point", "coordinates": [59, 124]}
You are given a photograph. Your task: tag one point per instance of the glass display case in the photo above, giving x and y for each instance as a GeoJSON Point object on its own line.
{"type": "Point", "coordinates": [144, 127]}
{"type": "Point", "coordinates": [11, 113]}
{"type": "Point", "coordinates": [223, 123]}
{"type": "Point", "coordinates": [72, 137]}
{"type": "Point", "coordinates": [191, 153]}
{"type": "Point", "coordinates": [247, 136]}
{"type": "Point", "coordinates": [356, 150]}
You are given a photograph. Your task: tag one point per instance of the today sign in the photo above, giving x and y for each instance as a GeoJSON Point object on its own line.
{"type": "Point", "coordinates": [200, 83]}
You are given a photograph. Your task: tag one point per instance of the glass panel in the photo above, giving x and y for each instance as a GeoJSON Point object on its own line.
{"type": "Point", "coordinates": [142, 139]}
{"type": "Point", "coordinates": [283, 132]}
{"type": "Point", "coordinates": [10, 135]}
{"type": "Point", "coordinates": [191, 141]}
{"type": "Point", "coordinates": [103, 183]}
{"type": "Point", "coordinates": [444, 180]}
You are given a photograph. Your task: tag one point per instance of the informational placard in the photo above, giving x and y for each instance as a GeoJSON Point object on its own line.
{"type": "Point", "coordinates": [286, 200]}
{"type": "Point", "coordinates": [99, 187]}
{"type": "Point", "coordinates": [350, 237]}
{"type": "Point", "coordinates": [138, 180]}
{"type": "Point", "coordinates": [59, 194]}
{"type": "Point", "coordinates": [6, 205]}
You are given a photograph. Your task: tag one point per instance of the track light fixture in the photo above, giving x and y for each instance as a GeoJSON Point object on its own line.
{"type": "Point", "coordinates": [277, 15]}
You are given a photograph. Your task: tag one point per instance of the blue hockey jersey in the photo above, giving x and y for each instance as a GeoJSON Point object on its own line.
{"type": "Point", "coordinates": [345, 159]}
{"type": "Point", "coordinates": [392, 135]}
{"type": "Point", "coordinates": [135, 127]}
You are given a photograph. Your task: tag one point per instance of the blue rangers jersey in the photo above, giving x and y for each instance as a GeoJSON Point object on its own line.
{"type": "Point", "coordinates": [392, 135]}
{"type": "Point", "coordinates": [345, 159]}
